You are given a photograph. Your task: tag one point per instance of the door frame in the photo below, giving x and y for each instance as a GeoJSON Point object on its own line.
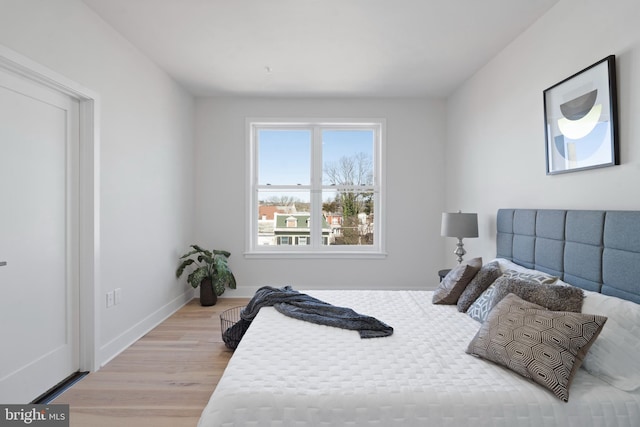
{"type": "Point", "coordinates": [89, 195]}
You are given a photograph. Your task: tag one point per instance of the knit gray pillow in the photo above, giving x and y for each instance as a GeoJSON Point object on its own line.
{"type": "Point", "coordinates": [552, 297]}
{"type": "Point", "coordinates": [482, 280]}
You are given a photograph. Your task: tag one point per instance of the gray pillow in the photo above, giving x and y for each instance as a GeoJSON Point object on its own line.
{"type": "Point", "coordinates": [455, 281]}
{"type": "Point", "coordinates": [545, 346]}
{"type": "Point", "coordinates": [478, 285]}
{"type": "Point", "coordinates": [552, 297]}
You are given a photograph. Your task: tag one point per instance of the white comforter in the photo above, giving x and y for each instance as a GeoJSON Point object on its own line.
{"type": "Point", "coordinates": [287, 372]}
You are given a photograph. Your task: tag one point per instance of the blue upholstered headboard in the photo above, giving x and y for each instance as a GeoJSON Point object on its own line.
{"type": "Point", "coordinates": [594, 250]}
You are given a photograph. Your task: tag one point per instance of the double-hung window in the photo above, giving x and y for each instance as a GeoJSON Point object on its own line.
{"type": "Point", "coordinates": [315, 188]}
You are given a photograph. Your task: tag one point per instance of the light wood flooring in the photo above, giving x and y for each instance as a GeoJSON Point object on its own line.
{"type": "Point", "coordinates": [164, 379]}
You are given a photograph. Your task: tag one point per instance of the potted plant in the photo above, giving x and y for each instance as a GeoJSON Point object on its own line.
{"type": "Point", "coordinates": [212, 273]}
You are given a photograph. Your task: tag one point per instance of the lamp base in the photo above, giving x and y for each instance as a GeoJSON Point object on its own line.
{"type": "Point", "coordinates": [460, 252]}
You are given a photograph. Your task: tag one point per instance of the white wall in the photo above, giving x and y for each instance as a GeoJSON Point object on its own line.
{"type": "Point", "coordinates": [415, 141]}
{"type": "Point", "coordinates": [495, 122]}
{"type": "Point", "coordinates": [489, 154]}
{"type": "Point", "coordinates": [146, 158]}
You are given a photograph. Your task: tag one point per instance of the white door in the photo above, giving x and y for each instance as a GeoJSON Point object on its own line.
{"type": "Point", "coordinates": [39, 137]}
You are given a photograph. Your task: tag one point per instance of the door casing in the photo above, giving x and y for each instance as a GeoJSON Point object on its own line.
{"type": "Point", "coordinates": [89, 195]}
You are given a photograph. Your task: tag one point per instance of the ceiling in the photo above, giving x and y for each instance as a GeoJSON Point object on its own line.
{"type": "Point", "coordinates": [336, 48]}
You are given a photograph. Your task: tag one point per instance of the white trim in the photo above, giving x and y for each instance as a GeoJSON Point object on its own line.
{"type": "Point", "coordinates": [73, 224]}
{"type": "Point", "coordinates": [89, 224]}
{"type": "Point", "coordinates": [309, 255]}
{"type": "Point", "coordinates": [250, 155]}
{"type": "Point", "coordinates": [90, 301]}
{"type": "Point", "coordinates": [250, 291]}
{"type": "Point", "coordinates": [123, 341]}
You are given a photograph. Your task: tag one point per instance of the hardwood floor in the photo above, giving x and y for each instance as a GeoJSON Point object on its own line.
{"type": "Point", "coordinates": [164, 379]}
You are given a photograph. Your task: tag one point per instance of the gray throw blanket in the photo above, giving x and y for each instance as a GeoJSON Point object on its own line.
{"type": "Point", "coordinates": [304, 307]}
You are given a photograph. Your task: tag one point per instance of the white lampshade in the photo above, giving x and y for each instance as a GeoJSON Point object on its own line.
{"type": "Point", "coordinates": [459, 225]}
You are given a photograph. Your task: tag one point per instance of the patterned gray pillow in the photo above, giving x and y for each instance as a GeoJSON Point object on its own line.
{"type": "Point", "coordinates": [481, 307]}
{"type": "Point", "coordinates": [541, 278]}
{"type": "Point", "coordinates": [455, 281]}
{"type": "Point", "coordinates": [544, 346]}
{"type": "Point", "coordinates": [485, 277]}
{"type": "Point", "coordinates": [552, 297]}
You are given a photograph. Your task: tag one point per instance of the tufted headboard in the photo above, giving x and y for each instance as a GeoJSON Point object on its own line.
{"type": "Point", "coordinates": [594, 250]}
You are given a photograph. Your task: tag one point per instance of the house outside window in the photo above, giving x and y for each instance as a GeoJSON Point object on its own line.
{"type": "Point", "coordinates": [315, 188]}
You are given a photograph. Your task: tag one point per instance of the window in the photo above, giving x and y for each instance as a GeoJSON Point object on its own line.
{"type": "Point", "coordinates": [315, 188]}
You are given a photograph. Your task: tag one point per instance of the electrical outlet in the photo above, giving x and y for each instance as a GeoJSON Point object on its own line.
{"type": "Point", "coordinates": [110, 299]}
{"type": "Point", "coordinates": [117, 296]}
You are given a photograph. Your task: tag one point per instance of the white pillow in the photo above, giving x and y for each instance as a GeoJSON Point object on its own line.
{"type": "Point", "coordinates": [615, 356]}
{"type": "Point", "coordinates": [505, 265]}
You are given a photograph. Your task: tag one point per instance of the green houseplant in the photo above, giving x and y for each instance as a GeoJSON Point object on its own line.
{"type": "Point", "coordinates": [211, 273]}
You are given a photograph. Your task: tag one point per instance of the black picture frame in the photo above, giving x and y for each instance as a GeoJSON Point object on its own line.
{"type": "Point", "coordinates": [581, 120]}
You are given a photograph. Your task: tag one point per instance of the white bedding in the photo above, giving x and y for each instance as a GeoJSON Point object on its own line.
{"type": "Point", "coordinates": [287, 372]}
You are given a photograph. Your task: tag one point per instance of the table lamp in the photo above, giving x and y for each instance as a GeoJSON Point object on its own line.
{"type": "Point", "coordinates": [459, 225]}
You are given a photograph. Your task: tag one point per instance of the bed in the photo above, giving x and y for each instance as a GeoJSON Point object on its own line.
{"type": "Point", "coordinates": [287, 372]}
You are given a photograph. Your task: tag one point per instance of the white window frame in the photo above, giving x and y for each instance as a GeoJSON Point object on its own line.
{"type": "Point", "coordinates": [316, 249]}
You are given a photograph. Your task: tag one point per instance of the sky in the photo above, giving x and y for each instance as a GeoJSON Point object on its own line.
{"type": "Point", "coordinates": [284, 156]}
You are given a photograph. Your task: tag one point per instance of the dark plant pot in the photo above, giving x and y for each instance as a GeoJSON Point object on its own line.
{"type": "Point", "coordinates": [207, 293]}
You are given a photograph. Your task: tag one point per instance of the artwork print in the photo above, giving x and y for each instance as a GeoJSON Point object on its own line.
{"type": "Point", "coordinates": [581, 120]}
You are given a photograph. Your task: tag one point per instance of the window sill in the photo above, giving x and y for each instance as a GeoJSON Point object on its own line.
{"type": "Point", "coordinates": [314, 255]}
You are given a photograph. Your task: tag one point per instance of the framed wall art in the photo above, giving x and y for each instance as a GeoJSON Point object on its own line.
{"type": "Point", "coordinates": [580, 120]}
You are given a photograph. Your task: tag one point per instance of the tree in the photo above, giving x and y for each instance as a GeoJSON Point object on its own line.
{"type": "Point", "coordinates": [282, 200]}
{"type": "Point", "coordinates": [353, 172]}
{"type": "Point", "coordinates": [331, 207]}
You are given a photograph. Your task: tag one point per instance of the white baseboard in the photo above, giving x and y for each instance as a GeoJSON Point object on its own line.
{"type": "Point", "coordinates": [244, 292]}
{"type": "Point", "coordinates": [249, 291]}
{"type": "Point", "coordinates": [117, 345]}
